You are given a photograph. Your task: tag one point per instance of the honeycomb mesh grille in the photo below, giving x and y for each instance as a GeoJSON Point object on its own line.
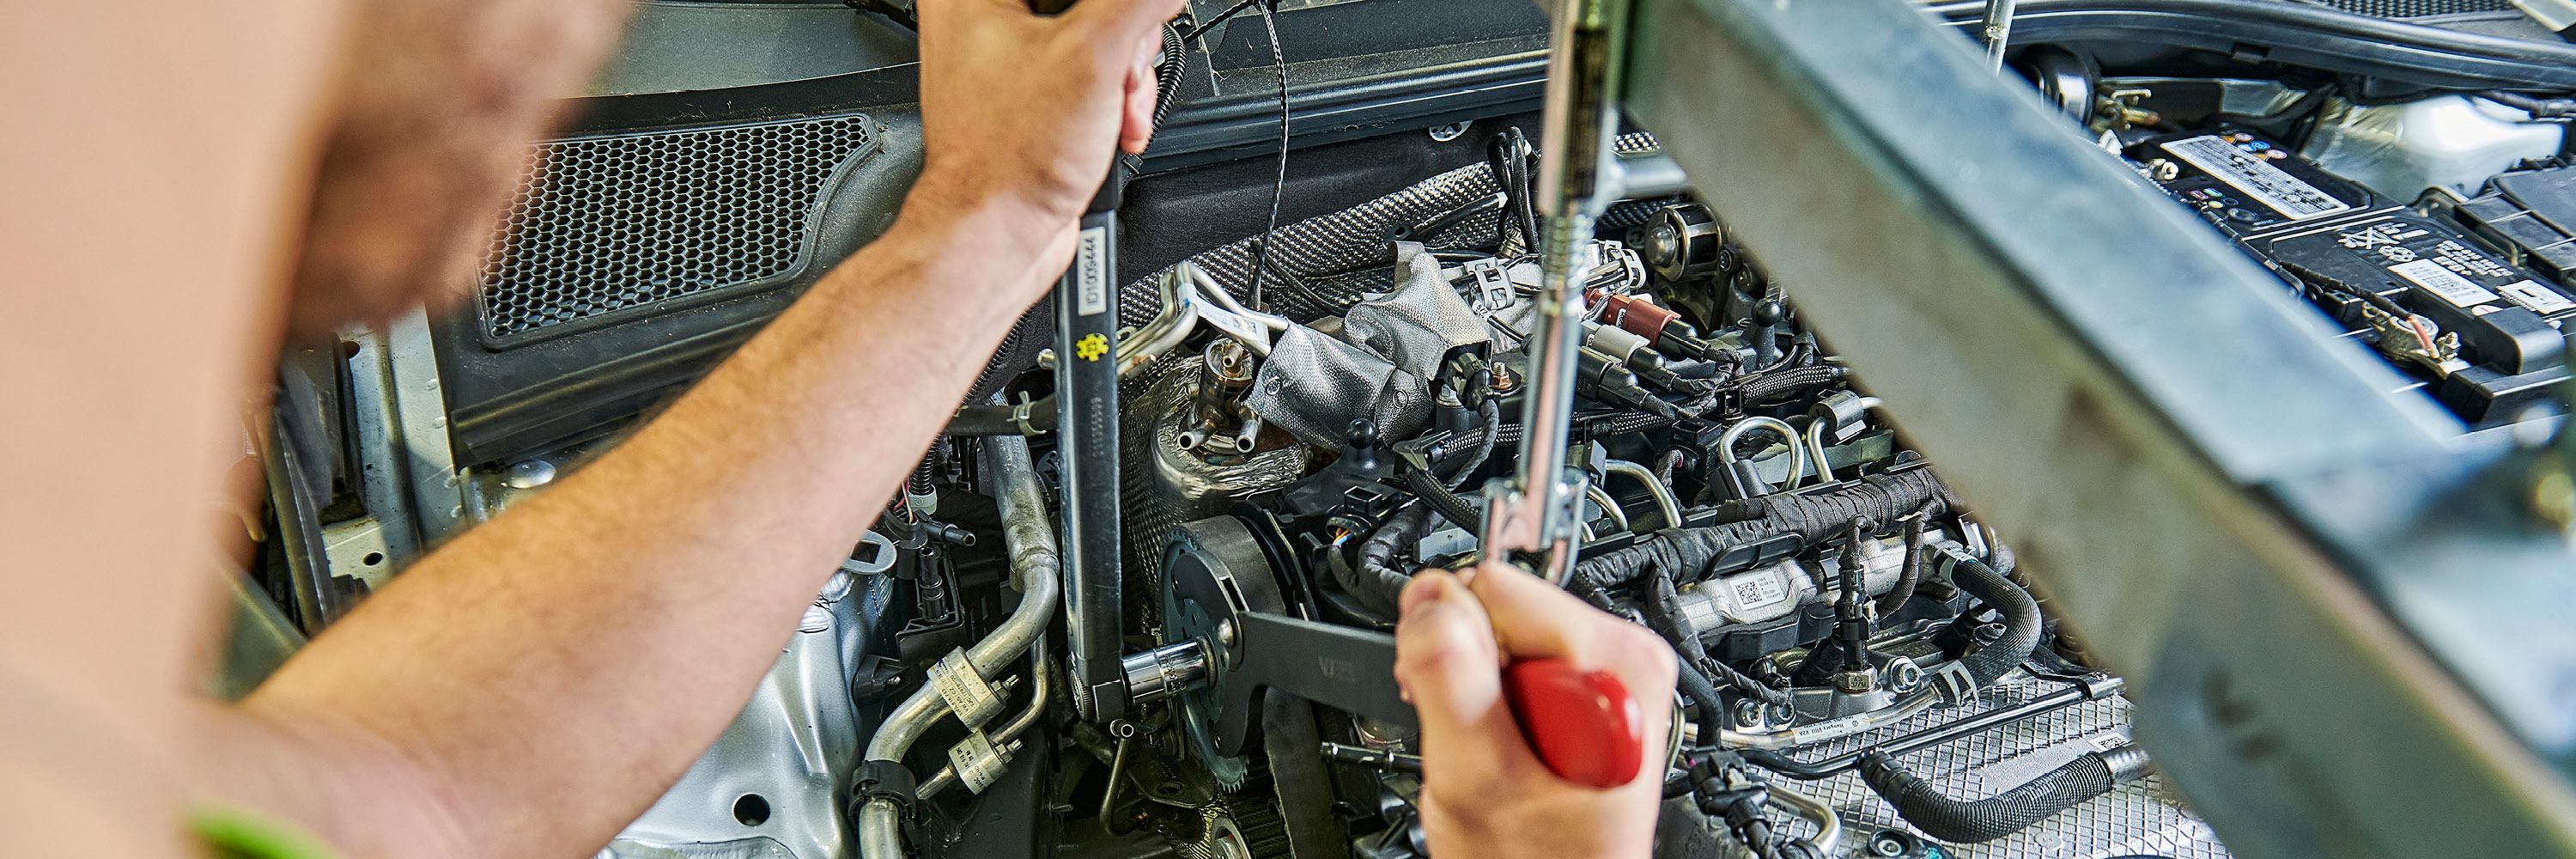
{"type": "Point", "coordinates": [605, 224]}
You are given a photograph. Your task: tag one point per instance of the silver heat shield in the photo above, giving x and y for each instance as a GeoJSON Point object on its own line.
{"type": "Point", "coordinates": [1163, 486]}
{"type": "Point", "coordinates": [2139, 817]}
{"type": "Point", "coordinates": [1380, 366]}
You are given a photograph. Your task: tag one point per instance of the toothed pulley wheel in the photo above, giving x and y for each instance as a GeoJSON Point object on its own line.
{"type": "Point", "coordinates": [1213, 570]}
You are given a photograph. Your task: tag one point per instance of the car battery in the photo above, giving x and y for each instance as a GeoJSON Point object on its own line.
{"type": "Point", "coordinates": [2341, 245]}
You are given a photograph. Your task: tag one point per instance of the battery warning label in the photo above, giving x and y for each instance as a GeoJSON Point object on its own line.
{"type": "Point", "coordinates": [2254, 176]}
{"type": "Point", "coordinates": [2459, 291]}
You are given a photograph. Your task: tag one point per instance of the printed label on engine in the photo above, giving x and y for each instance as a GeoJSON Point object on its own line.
{"type": "Point", "coordinates": [2254, 176]}
{"type": "Point", "coordinates": [1759, 589]}
{"type": "Point", "coordinates": [2457, 290]}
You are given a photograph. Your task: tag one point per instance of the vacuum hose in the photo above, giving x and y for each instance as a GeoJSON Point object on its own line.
{"type": "Point", "coordinates": [1948, 819]}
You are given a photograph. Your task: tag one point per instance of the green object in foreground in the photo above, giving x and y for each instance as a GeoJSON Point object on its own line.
{"type": "Point", "coordinates": [230, 833]}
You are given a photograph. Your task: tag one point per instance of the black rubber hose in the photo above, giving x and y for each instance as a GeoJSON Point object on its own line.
{"type": "Point", "coordinates": [1663, 610]}
{"type": "Point", "coordinates": [1492, 412]}
{"type": "Point", "coordinates": [1702, 693]}
{"type": "Point", "coordinates": [1687, 553]}
{"type": "Point", "coordinates": [1910, 572]}
{"type": "Point", "coordinates": [992, 420]}
{"type": "Point", "coordinates": [1979, 821]}
{"type": "Point", "coordinates": [1442, 501]}
{"type": "Point", "coordinates": [1374, 579]}
{"type": "Point", "coordinates": [2021, 620]}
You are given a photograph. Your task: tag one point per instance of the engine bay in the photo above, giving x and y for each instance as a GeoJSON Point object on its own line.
{"type": "Point", "coordinates": [1309, 411]}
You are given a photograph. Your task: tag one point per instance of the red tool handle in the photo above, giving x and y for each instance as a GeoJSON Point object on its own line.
{"type": "Point", "coordinates": [1583, 724]}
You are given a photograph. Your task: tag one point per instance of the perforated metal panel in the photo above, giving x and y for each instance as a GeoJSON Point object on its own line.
{"type": "Point", "coordinates": [2137, 818]}
{"type": "Point", "coordinates": [2417, 8]}
{"type": "Point", "coordinates": [602, 225]}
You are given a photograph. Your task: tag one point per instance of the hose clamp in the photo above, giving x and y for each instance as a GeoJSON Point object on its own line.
{"type": "Point", "coordinates": [887, 780]}
{"type": "Point", "coordinates": [1020, 416]}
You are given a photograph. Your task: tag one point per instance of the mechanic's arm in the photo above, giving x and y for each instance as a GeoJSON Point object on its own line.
{"type": "Point", "coordinates": [1484, 793]}
{"type": "Point", "coordinates": [531, 687]}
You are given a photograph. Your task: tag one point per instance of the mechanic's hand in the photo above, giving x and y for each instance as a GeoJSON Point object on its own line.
{"type": "Point", "coordinates": [1023, 111]}
{"type": "Point", "coordinates": [1484, 793]}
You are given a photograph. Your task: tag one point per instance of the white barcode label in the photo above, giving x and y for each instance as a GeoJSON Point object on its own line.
{"type": "Point", "coordinates": [1758, 589]}
{"type": "Point", "coordinates": [2254, 176]}
{"type": "Point", "coordinates": [1091, 272]}
{"type": "Point", "coordinates": [2540, 299]}
{"type": "Point", "coordinates": [2459, 291]}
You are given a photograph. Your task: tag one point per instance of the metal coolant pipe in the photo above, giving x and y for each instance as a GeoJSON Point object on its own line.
{"type": "Point", "coordinates": [1028, 533]}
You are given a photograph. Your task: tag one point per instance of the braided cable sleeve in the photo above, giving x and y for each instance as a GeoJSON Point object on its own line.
{"type": "Point", "coordinates": [1688, 553]}
{"type": "Point", "coordinates": [1443, 501]}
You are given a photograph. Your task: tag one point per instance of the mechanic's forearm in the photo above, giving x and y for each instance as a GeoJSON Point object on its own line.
{"type": "Point", "coordinates": [552, 671]}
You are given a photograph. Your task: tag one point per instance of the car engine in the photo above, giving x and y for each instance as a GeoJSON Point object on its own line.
{"type": "Point", "coordinates": [1309, 409]}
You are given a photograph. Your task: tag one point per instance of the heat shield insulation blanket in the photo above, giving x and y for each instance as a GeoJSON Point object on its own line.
{"type": "Point", "coordinates": [1379, 368]}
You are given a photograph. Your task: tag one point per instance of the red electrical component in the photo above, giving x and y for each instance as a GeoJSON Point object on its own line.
{"type": "Point", "coordinates": [1635, 314]}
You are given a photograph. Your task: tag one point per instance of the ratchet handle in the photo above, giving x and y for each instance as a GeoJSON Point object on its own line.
{"type": "Point", "coordinates": [1583, 724]}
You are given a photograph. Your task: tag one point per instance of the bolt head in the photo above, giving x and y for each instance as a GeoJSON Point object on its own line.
{"type": "Point", "coordinates": [529, 474]}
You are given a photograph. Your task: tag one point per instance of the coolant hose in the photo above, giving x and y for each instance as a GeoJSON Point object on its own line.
{"type": "Point", "coordinates": [1974, 822]}
{"type": "Point", "coordinates": [2021, 620]}
{"type": "Point", "coordinates": [1028, 534]}
{"type": "Point", "coordinates": [1003, 419]}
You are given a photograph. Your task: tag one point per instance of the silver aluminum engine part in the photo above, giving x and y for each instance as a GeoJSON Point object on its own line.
{"type": "Point", "coordinates": [1775, 590]}
{"type": "Point", "coordinates": [2139, 817]}
{"type": "Point", "coordinates": [789, 748]}
{"type": "Point", "coordinates": [1006, 736]}
{"type": "Point", "coordinates": [2451, 141]}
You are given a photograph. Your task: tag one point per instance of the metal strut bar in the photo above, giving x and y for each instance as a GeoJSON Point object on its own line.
{"type": "Point", "coordinates": [2346, 633]}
